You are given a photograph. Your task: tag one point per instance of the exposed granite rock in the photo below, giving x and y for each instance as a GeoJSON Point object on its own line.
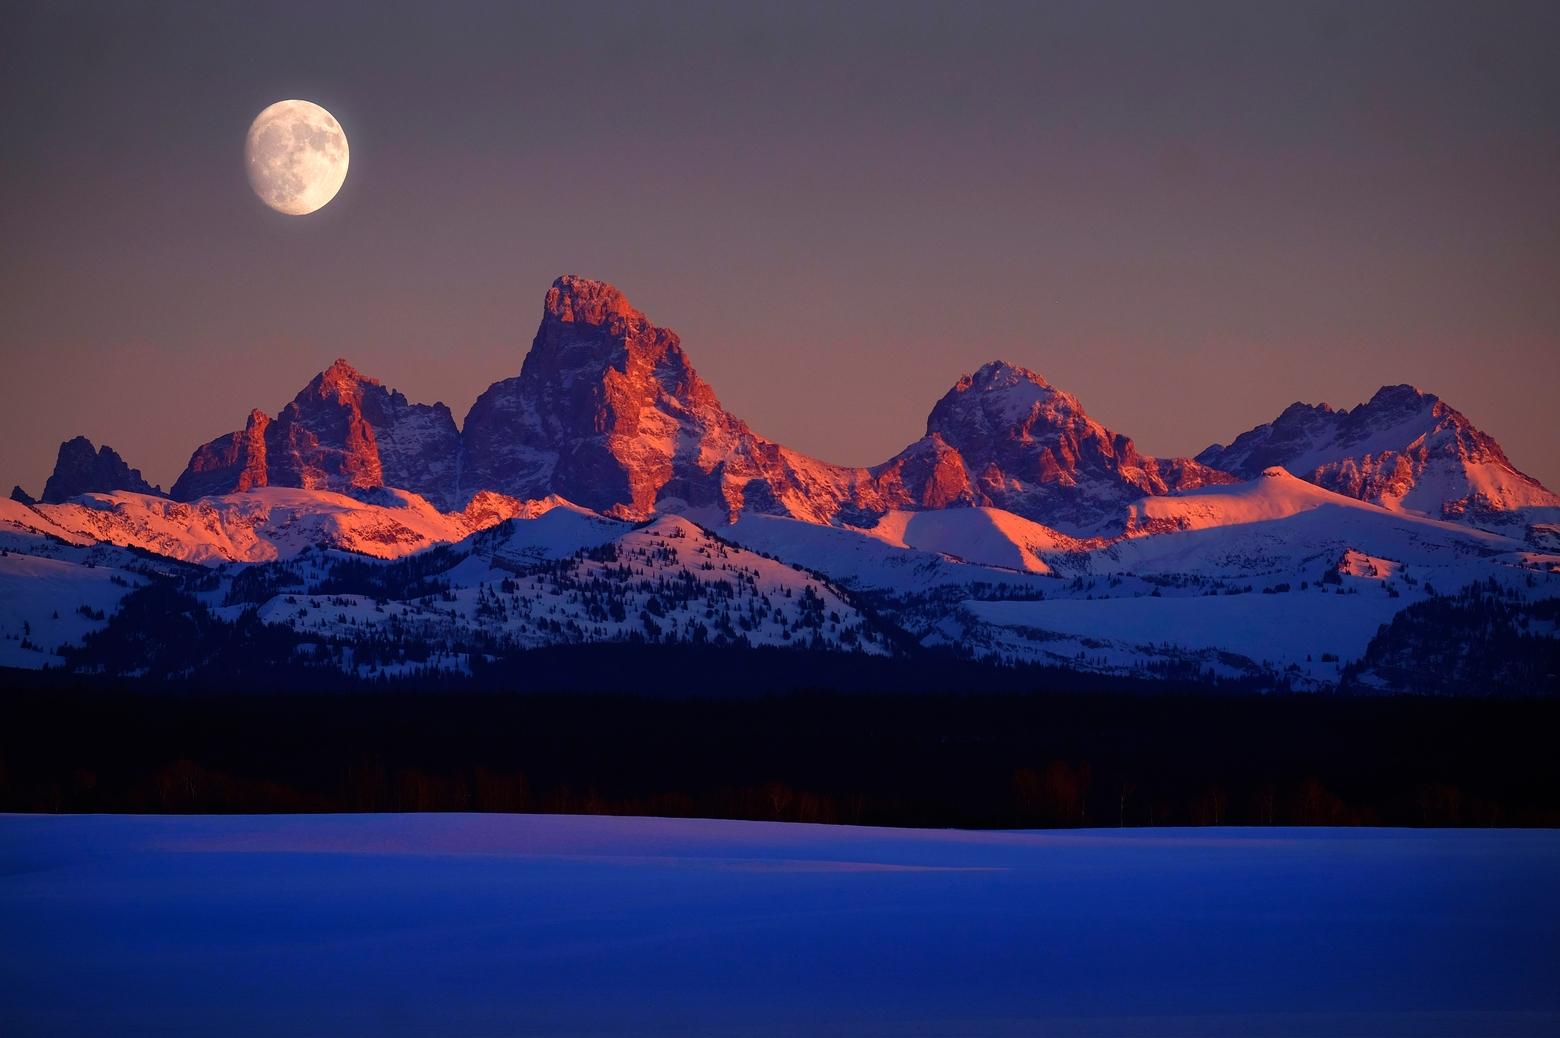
{"type": "Point", "coordinates": [1402, 448]}
{"type": "Point", "coordinates": [83, 469]}
{"type": "Point", "coordinates": [343, 431]}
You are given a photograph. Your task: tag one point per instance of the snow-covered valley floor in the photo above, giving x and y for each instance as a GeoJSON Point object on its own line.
{"type": "Point", "coordinates": [477, 925]}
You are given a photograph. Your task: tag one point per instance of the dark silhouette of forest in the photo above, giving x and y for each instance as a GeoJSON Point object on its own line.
{"type": "Point", "coordinates": [752, 734]}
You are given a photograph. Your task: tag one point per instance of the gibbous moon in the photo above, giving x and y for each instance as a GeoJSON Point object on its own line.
{"type": "Point", "coordinates": [296, 155]}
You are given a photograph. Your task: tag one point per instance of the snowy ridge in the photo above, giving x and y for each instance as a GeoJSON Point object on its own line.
{"type": "Point", "coordinates": [1275, 575]}
{"type": "Point", "coordinates": [262, 524]}
{"type": "Point", "coordinates": [983, 536]}
{"type": "Point", "coordinates": [859, 560]}
{"type": "Point", "coordinates": [1275, 494]}
{"type": "Point", "coordinates": [565, 578]}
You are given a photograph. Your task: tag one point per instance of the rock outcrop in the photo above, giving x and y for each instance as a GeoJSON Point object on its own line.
{"type": "Point", "coordinates": [81, 468]}
{"type": "Point", "coordinates": [344, 431]}
{"type": "Point", "coordinates": [1005, 437]}
{"type": "Point", "coordinates": [608, 412]}
{"type": "Point", "coordinates": [1402, 449]}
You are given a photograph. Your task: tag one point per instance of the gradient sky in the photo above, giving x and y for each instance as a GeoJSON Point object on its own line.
{"type": "Point", "coordinates": [1188, 215]}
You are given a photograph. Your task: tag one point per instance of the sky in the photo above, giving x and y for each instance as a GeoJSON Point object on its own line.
{"type": "Point", "coordinates": [1188, 215]}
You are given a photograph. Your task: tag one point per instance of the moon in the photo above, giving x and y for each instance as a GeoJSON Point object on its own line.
{"type": "Point", "coordinates": [296, 156]}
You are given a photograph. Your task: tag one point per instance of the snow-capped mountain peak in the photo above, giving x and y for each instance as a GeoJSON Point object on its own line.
{"type": "Point", "coordinates": [1403, 448]}
{"type": "Point", "coordinates": [998, 393]}
{"type": "Point", "coordinates": [1005, 437]}
{"type": "Point", "coordinates": [999, 374]}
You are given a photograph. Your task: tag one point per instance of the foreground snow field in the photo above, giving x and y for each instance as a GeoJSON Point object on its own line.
{"type": "Point", "coordinates": [555, 925]}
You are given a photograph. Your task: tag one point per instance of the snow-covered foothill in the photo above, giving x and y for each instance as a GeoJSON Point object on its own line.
{"type": "Point", "coordinates": [49, 603]}
{"type": "Point", "coordinates": [668, 580]}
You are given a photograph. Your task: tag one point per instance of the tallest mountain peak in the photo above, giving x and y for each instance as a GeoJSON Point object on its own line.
{"type": "Point", "coordinates": [578, 300]}
{"type": "Point", "coordinates": [599, 410]}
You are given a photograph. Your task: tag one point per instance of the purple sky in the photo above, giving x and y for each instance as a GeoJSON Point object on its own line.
{"type": "Point", "coordinates": [1188, 215]}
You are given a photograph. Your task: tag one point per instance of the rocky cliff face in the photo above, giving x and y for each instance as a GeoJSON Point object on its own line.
{"type": "Point", "coordinates": [1403, 449]}
{"type": "Point", "coordinates": [229, 464]}
{"type": "Point", "coordinates": [1005, 437]}
{"type": "Point", "coordinates": [344, 431]}
{"type": "Point", "coordinates": [608, 412]}
{"type": "Point", "coordinates": [83, 469]}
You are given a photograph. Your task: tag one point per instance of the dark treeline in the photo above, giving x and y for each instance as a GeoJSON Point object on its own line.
{"type": "Point", "coordinates": [983, 752]}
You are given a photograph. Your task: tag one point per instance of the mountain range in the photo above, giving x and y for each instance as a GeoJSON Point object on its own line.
{"type": "Point", "coordinates": [608, 412]}
{"type": "Point", "coordinates": [1017, 528]}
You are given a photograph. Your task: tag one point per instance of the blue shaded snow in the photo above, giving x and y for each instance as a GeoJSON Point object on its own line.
{"type": "Point", "coordinates": [478, 925]}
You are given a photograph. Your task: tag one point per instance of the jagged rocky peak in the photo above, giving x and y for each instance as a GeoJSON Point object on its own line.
{"type": "Point", "coordinates": [1006, 437]}
{"type": "Point", "coordinates": [577, 300]}
{"type": "Point", "coordinates": [228, 464]}
{"type": "Point", "coordinates": [1403, 448]}
{"type": "Point", "coordinates": [590, 329]}
{"type": "Point", "coordinates": [1297, 426]}
{"type": "Point", "coordinates": [322, 440]}
{"type": "Point", "coordinates": [1302, 429]}
{"type": "Point", "coordinates": [339, 382]}
{"type": "Point", "coordinates": [343, 431]}
{"type": "Point", "coordinates": [82, 468]}
{"type": "Point", "coordinates": [607, 411]}
{"type": "Point", "coordinates": [1402, 398]}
